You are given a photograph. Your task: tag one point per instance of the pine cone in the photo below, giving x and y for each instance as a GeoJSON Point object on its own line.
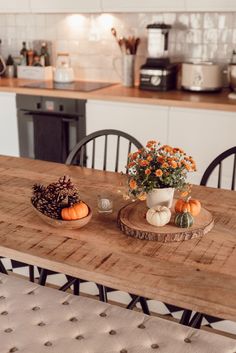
{"type": "Point", "coordinates": [51, 199]}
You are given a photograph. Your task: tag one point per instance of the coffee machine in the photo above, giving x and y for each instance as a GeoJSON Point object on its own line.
{"type": "Point", "coordinates": [158, 74]}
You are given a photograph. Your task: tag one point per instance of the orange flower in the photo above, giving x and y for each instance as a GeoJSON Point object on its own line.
{"type": "Point", "coordinates": [165, 165]}
{"type": "Point", "coordinates": [147, 171]}
{"type": "Point", "coordinates": [151, 143]}
{"type": "Point", "coordinates": [173, 164]}
{"type": "Point", "coordinates": [160, 159]}
{"type": "Point", "coordinates": [143, 163]}
{"type": "Point", "coordinates": [131, 164]}
{"type": "Point", "coordinates": [158, 172]}
{"type": "Point", "coordinates": [184, 193]}
{"type": "Point", "coordinates": [176, 149]}
{"type": "Point", "coordinates": [167, 148]}
{"type": "Point", "coordinates": [142, 196]}
{"type": "Point", "coordinates": [132, 184]}
{"type": "Point", "coordinates": [149, 158]}
{"type": "Point", "coordinates": [134, 155]}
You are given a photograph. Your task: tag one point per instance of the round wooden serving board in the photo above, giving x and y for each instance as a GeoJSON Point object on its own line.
{"type": "Point", "coordinates": [132, 221]}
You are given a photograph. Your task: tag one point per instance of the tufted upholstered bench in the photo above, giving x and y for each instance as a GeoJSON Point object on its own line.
{"type": "Point", "coordinates": [35, 319]}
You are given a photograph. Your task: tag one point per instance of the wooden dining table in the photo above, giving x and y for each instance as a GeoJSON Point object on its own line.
{"type": "Point", "coordinates": [197, 274]}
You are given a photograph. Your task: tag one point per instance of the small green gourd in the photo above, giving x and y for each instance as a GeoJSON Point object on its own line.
{"type": "Point", "coordinates": [184, 219]}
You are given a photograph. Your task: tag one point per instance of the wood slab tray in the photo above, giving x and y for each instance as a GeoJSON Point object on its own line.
{"type": "Point", "coordinates": [132, 221]}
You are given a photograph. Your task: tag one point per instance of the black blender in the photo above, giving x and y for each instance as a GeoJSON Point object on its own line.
{"type": "Point", "coordinates": [158, 74]}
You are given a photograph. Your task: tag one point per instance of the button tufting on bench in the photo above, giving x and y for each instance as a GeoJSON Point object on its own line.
{"type": "Point", "coordinates": [79, 337]}
{"type": "Point", "coordinates": [73, 319]}
{"type": "Point", "coordinates": [36, 308]}
{"type": "Point", "coordinates": [89, 326]}
{"type": "Point", "coordinates": [187, 340]}
{"type": "Point", "coordinates": [103, 315]}
{"type": "Point", "coordinates": [154, 346]}
{"type": "Point", "coordinates": [48, 344]}
{"type": "Point", "coordinates": [41, 324]}
{"type": "Point", "coordinates": [2, 297]}
{"type": "Point", "coordinates": [112, 332]}
{"type": "Point", "coordinates": [13, 350]}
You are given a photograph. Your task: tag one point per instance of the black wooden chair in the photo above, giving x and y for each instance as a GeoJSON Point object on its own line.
{"type": "Point", "coordinates": [79, 156]}
{"type": "Point", "coordinates": [217, 163]}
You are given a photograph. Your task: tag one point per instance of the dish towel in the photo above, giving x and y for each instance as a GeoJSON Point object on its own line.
{"type": "Point", "coordinates": [50, 138]}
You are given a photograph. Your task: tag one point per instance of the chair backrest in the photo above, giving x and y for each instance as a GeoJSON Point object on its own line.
{"type": "Point", "coordinates": [217, 162]}
{"type": "Point", "coordinates": [78, 155]}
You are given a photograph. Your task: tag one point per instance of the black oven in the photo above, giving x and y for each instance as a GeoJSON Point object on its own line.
{"type": "Point", "coordinates": [49, 127]}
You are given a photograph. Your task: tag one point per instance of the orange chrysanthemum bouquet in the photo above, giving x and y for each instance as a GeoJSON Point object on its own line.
{"type": "Point", "coordinates": [157, 166]}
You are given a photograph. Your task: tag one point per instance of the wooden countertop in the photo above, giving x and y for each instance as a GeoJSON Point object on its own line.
{"type": "Point", "coordinates": [118, 93]}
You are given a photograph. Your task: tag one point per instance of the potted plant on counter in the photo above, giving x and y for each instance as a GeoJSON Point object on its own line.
{"type": "Point", "coordinates": [154, 172]}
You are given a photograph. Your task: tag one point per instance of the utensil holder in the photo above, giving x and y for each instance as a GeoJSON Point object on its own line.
{"type": "Point", "coordinates": [127, 71]}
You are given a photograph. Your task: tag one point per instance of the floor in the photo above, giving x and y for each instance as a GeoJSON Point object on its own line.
{"type": "Point", "coordinates": [124, 298]}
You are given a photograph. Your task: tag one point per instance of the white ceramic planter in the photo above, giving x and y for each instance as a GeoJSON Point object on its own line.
{"type": "Point", "coordinates": [163, 197]}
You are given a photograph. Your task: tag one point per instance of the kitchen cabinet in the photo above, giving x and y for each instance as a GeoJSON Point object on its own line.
{"type": "Point", "coordinates": [143, 121]}
{"type": "Point", "coordinates": [9, 144]}
{"type": "Point", "coordinates": [144, 6]}
{"type": "Point", "coordinates": [65, 6]}
{"type": "Point", "coordinates": [14, 6]}
{"type": "Point", "coordinates": [210, 5]}
{"type": "Point", "coordinates": [203, 134]}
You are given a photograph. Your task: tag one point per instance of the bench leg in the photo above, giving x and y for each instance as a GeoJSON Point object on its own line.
{"type": "Point", "coordinates": [43, 276]}
{"type": "Point", "coordinates": [185, 318]}
{"type": "Point", "coordinates": [195, 322]}
{"type": "Point", "coordinates": [2, 268]}
{"type": "Point", "coordinates": [31, 273]}
{"type": "Point", "coordinates": [144, 305]}
{"type": "Point", "coordinates": [102, 293]}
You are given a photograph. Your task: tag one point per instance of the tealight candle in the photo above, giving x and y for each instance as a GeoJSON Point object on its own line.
{"type": "Point", "coordinates": [104, 203]}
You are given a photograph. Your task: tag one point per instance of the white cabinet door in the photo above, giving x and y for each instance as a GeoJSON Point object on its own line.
{"type": "Point", "coordinates": [141, 5]}
{"type": "Point", "coordinates": [210, 5]}
{"type": "Point", "coordinates": [69, 6]}
{"type": "Point", "coordinates": [142, 121]}
{"type": "Point", "coordinates": [203, 134]}
{"type": "Point", "coordinates": [14, 6]}
{"type": "Point", "coordinates": [9, 143]}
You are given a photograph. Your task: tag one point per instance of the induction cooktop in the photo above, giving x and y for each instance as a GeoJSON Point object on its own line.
{"type": "Point", "coordinates": [83, 86]}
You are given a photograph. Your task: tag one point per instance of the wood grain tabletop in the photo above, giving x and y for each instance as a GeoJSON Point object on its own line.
{"type": "Point", "coordinates": [197, 274]}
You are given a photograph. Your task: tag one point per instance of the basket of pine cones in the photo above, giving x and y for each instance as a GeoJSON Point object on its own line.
{"type": "Point", "coordinates": [59, 204]}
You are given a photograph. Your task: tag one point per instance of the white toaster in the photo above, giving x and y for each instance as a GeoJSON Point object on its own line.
{"type": "Point", "coordinates": [201, 76]}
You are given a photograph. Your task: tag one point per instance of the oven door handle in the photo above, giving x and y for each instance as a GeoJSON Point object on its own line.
{"type": "Point", "coordinates": [64, 117]}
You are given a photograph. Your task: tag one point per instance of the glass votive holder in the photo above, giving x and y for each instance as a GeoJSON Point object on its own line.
{"type": "Point", "coordinates": [104, 203]}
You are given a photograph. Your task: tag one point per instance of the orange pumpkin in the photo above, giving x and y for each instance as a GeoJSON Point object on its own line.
{"type": "Point", "coordinates": [190, 205]}
{"type": "Point", "coordinates": [77, 211]}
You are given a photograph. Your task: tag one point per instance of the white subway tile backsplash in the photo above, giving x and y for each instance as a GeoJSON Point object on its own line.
{"type": "Point", "coordinates": [195, 20]}
{"type": "Point", "coordinates": [225, 36]}
{"type": "Point", "coordinates": [194, 36]}
{"type": "Point", "coordinates": [210, 36]}
{"type": "Point", "coordinates": [88, 38]}
{"type": "Point", "coordinates": [210, 20]}
{"type": "Point", "coordinates": [225, 20]}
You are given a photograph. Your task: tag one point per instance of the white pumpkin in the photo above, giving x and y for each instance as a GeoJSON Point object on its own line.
{"type": "Point", "coordinates": [158, 215]}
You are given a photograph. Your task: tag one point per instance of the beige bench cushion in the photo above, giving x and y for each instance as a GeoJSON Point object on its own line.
{"type": "Point", "coordinates": [35, 319]}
